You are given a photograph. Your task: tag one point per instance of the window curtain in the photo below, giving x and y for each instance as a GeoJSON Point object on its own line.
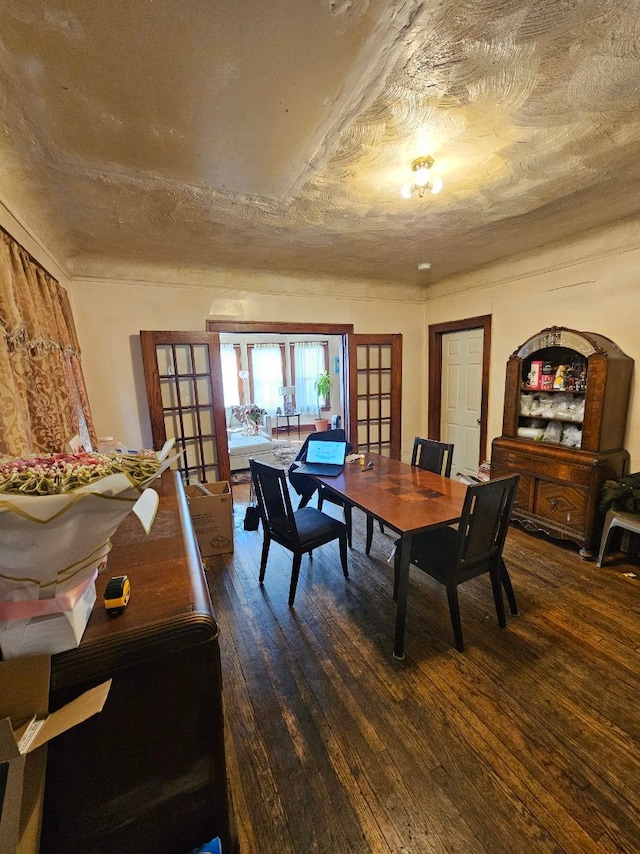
{"type": "Point", "coordinates": [43, 398]}
{"type": "Point", "coordinates": [229, 365]}
{"type": "Point", "coordinates": [266, 375]}
{"type": "Point", "coordinates": [309, 363]}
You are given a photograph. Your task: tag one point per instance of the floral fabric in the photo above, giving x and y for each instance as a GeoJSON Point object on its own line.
{"type": "Point", "coordinates": [43, 398]}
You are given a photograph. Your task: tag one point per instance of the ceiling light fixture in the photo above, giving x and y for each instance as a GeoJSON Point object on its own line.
{"type": "Point", "coordinates": [422, 181]}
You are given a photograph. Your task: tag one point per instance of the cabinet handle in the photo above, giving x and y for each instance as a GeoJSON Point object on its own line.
{"type": "Point", "coordinates": [553, 503]}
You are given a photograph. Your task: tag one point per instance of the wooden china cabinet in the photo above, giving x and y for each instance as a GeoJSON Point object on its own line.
{"type": "Point", "coordinates": [565, 413]}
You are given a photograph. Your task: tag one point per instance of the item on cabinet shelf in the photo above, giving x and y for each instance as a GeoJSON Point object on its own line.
{"type": "Point", "coordinates": [525, 404]}
{"type": "Point", "coordinates": [571, 436]}
{"type": "Point", "coordinates": [531, 432]}
{"type": "Point", "coordinates": [534, 378]}
{"type": "Point", "coordinates": [552, 432]}
{"type": "Point", "coordinates": [548, 373]}
{"type": "Point", "coordinates": [560, 379]}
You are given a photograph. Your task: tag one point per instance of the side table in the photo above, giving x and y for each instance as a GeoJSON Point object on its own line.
{"type": "Point", "coordinates": [288, 418]}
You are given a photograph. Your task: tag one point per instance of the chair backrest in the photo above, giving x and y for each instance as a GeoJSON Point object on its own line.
{"type": "Point", "coordinates": [432, 456]}
{"type": "Point", "coordinates": [302, 483]}
{"type": "Point", "coordinates": [274, 502]}
{"type": "Point", "coordinates": [483, 526]}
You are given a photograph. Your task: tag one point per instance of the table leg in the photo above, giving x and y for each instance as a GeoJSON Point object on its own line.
{"type": "Point", "coordinates": [404, 550]}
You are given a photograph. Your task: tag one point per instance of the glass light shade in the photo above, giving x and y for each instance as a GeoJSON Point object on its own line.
{"type": "Point", "coordinates": [405, 191]}
{"type": "Point", "coordinates": [436, 185]}
{"type": "Point", "coordinates": [422, 177]}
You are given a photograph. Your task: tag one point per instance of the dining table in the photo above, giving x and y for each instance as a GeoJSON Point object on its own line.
{"type": "Point", "coordinates": [405, 498]}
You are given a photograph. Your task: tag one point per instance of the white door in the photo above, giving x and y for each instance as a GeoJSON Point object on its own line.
{"type": "Point", "coordinates": [462, 397]}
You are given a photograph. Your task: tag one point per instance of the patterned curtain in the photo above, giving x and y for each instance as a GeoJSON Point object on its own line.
{"type": "Point", "coordinates": [43, 399]}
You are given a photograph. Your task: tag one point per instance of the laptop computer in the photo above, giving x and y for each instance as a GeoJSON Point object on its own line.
{"type": "Point", "coordinates": [324, 458]}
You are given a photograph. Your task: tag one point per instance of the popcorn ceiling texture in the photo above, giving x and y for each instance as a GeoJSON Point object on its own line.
{"type": "Point", "coordinates": [275, 137]}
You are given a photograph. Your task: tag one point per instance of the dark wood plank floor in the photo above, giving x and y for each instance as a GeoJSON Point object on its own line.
{"type": "Point", "coordinates": [529, 741]}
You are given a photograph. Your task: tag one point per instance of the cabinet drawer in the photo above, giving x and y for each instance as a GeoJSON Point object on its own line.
{"type": "Point", "coordinates": [562, 504]}
{"type": "Point", "coordinates": [546, 468]}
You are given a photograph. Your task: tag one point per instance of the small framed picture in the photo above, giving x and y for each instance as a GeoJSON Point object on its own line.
{"type": "Point", "coordinates": [289, 408]}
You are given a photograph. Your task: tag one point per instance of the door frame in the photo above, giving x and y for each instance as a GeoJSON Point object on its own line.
{"type": "Point", "coordinates": [346, 331]}
{"type": "Point", "coordinates": [258, 327]}
{"type": "Point", "coordinates": [436, 333]}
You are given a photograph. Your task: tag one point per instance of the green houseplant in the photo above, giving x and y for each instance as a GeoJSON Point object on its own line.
{"type": "Point", "coordinates": [322, 387]}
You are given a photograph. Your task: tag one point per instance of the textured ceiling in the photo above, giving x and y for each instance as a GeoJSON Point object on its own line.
{"type": "Point", "coordinates": [275, 135]}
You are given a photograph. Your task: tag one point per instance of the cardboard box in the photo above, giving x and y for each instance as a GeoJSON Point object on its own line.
{"type": "Point", "coordinates": [25, 728]}
{"type": "Point", "coordinates": [50, 633]}
{"type": "Point", "coordinates": [211, 508]}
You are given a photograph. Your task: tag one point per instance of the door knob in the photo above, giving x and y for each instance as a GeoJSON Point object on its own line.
{"type": "Point", "coordinates": [479, 421]}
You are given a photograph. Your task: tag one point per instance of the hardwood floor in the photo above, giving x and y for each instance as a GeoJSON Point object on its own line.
{"type": "Point", "coordinates": [529, 741]}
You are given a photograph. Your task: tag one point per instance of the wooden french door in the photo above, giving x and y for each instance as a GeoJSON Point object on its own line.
{"type": "Point", "coordinates": [375, 393]}
{"type": "Point", "coordinates": [186, 402]}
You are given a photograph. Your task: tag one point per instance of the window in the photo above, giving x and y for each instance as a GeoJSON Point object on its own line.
{"type": "Point", "coordinates": [230, 362]}
{"type": "Point", "coordinates": [266, 374]}
{"type": "Point", "coordinates": [309, 360]}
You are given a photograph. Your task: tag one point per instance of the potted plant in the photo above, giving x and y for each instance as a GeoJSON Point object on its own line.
{"type": "Point", "coordinates": [322, 387]}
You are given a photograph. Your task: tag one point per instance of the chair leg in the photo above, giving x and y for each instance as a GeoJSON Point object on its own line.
{"type": "Point", "coordinates": [320, 499]}
{"type": "Point", "coordinates": [349, 523]}
{"type": "Point", "coordinates": [266, 542]}
{"type": "Point", "coordinates": [295, 572]}
{"type": "Point", "coordinates": [381, 528]}
{"type": "Point", "coordinates": [454, 609]}
{"type": "Point", "coordinates": [367, 547]}
{"type": "Point", "coordinates": [496, 586]}
{"type": "Point", "coordinates": [604, 542]}
{"type": "Point", "coordinates": [508, 589]}
{"type": "Point", "coordinates": [343, 554]}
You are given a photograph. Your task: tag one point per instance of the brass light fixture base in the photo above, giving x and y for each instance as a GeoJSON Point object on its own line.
{"type": "Point", "coordinates": [422, 163]}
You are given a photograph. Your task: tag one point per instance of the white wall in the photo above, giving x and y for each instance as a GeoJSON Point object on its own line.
{"type": "Point", "coordinates": [588, 285]}
{"type": "Point", "coordinates": [109, 316]}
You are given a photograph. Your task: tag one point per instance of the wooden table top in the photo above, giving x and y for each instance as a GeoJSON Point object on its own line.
{"type": "Point", "coordinates": [406, 498]}
{"type": "Point", "coordinates": [170, 602]}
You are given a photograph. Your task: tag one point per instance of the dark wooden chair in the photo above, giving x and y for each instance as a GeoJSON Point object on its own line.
{"type": "Point", "coordinates": [454, 555]}
{"type": "Point", "coordinates": [427, 454]}
{"type": "Point", "coordinates": [305, 486]}
{"type": "Point", "coordinates": [433, 456]}
{"type": "Point", "coordinates": [300, 530]}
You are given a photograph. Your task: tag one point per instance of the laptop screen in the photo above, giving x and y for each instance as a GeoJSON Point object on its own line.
{"type": "Point", "coordinates": [326, 452]}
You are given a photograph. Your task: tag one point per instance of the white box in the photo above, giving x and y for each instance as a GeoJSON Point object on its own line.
{"type": "Point", "coordinates": [50, 633]}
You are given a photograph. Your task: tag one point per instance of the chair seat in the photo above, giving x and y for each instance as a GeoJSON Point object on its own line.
{"type": "Point", "coordinates": [314, 525]}
{"type": "Point", "coordinates": [434, 550]}
{"type": "Point", "coordinates": [617, 519]}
